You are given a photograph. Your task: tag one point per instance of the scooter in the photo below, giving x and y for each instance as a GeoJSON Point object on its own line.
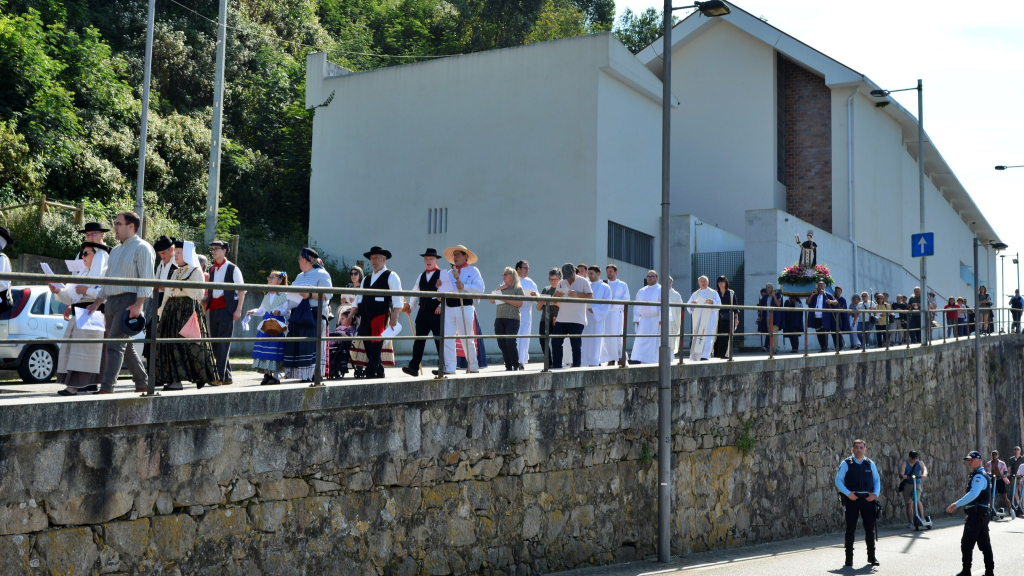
{"type": "Point", "coordinates": [999, 512]}
{"type": "Point", "coordinates": [1015, 500]}
{"type": "Point", "coordinates": [919, 522]}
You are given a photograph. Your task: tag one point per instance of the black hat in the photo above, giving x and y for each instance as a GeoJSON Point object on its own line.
{"type": "Point", "coordinates": [178, 243]}
{"type": "Point", "coordinates": [430, 252]}
{"type": "Point", "coordinates": [133, 326]}
{"type": "Point", "coordinates": [163, 243]}
{"type": "Point", "coordinates": [973, 454]}
{"type": "Point", "coordinates": [95, 245]}
{"type": "Point", "coordinates": [6, 236]}
{"type": "Point", "coordinates": [219, 244]}
{"type": "Point", "coordinates": [93, 227]}
{"type": "Point", "coordinates": [378, 250]}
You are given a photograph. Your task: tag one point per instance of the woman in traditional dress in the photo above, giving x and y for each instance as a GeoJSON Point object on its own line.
{"type": "Point", "coordinates": [267, 357]}
{"type": "Point", "coordinates": [180, 362]}
{"type": "Point", "coordinates": [299, 357]}
{"type": "Point", "coordinates": [80, 366]}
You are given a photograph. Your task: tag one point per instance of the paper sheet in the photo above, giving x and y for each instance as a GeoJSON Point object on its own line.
{"type": "Point", "coordinates": [75, 266]}
{"type": "Point", "coordinates": [75, 296]}
{"type": "Point", "coordinates": [48, 270]}
{"type": "Point", "coordinates": [447, 282]}
{"type": "Point", "coordinates": [245, 322]}
{"type": "Point", "coordinates": [389, 331]}
{"type": "Point", "coordinates": [86, 321]}
{"type": "Point", "coordinates": [295, 297]}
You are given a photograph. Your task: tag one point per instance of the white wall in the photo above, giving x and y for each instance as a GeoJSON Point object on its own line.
{"type": "Point", "coordinates": [723, 133]}
{"type": "Point", "coordinates": [506, 140]}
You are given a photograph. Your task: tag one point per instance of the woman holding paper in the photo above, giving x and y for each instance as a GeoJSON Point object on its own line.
{"type": "Point", "coordinates": [267, 357]}
{"type": "Point", "coordinates": [80, 367]}
{"type": "Point", "coordinates": [507, 318]}
{"type": "Point", "coordinates": [181, 316]}
{"type": "Point", "coordinates": [299, 357]}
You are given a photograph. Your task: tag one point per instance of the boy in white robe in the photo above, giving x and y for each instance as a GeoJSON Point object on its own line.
{"type": "Point", "coordinates": [614, 320]}
{"type": "Point", "coordinates": [647, 322]}
{"type": "Point", "coordinates": [592, 347]}
{"type": "Point", "coordinates": [700, 346]}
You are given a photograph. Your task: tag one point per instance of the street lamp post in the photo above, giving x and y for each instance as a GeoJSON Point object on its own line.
{"type": "Point", "coordinates": [711, 8]}
{"type": "Point", "coordinates": [144, 124]}
{"type": "Point", "coordinates": [920, 182]}
{"type": "Point", "coordinates": [1002, 284]}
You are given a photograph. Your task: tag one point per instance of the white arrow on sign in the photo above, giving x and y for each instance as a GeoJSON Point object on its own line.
{"type": "Point", "coordinates": [922, 243]}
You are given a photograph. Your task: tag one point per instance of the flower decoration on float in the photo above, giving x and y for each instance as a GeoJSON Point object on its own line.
{"type": "Point", "coordinates": [800, 276]}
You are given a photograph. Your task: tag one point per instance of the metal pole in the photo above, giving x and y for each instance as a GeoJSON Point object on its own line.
{"type": "Point", "coordinates": [144, 125]}
{"type": "Point", "coordinates": [151, 385]}
{"type": "Point", "coordinates": [547, 341]}
{"type": "Point", "coordinates": [317, 372]}
{"type": "Point", "coordinates": [732, 323]}
{"type": "Point", "coordinates": [440, 360]}
{"type": "Point", "coordinates": [213, 184]}
{"type": "Point", "coordinates": [1002, 291]}
{"type": "Point", "coordinates": [977, 353]}
{"type": "Point", "coordinates": [923, 304]}
{"type": "Point", "coordinates": [807, 318]}
{"type": "Point", "coordinates": [664, 356]}
{"type": "Point", "coordinates": [624, 361]}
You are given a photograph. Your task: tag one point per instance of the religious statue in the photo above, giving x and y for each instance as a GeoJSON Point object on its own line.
{"type": "Point", "coordinates": [808, 251]}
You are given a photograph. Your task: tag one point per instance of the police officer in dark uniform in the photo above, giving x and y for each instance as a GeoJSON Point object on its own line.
{"type": "Point", "coordinates": [858, 482]}
{"type": "Point", "coordinates": [976, 506]}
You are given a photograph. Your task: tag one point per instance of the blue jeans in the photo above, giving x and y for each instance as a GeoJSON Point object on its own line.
{"type": "Point", "coordinates": [558, 333]}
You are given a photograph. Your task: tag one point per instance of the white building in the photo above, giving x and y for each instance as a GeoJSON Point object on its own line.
{"type": "Point", "coordinates": [541, 153]}
{"type": "Point", "coordinates": [772, 138]}
{"type": "Point", "coordinates": [551, 153]}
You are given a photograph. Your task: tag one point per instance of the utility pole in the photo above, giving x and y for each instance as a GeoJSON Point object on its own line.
{"type": "Point", "coordinates": [213, 185]}
{"type": "Point", "coordinates": [143, 128]}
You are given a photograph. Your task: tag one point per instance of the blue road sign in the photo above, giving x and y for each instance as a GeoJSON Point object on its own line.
{"type": "Point", "coordinates": [922, 244]}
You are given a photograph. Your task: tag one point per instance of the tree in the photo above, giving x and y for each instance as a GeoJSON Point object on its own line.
{"type": "Point", "coordinates": [637, 31]}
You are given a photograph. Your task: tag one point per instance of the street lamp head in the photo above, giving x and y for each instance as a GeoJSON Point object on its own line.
{"type": "Point", "coordinates": [713, 8]}
{"type": "Point", "coordinates": [879, 93]}
{"type": "Point", "coordinates": [1000, 167]}
{"type": "Point", "coordinates": [1000, 246]}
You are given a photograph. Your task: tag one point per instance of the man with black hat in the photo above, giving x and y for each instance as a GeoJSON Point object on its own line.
{"type": "Point", "coordinates": [225, 307]}
{"type": "Point", "coordinates": [428, 317]}
{"type": "Point", "coordinates": [164, 248]}
{"type": "Point", "coordinates": [976, 505]}
{"type": "Point", "coordinates": [376, 312]}
{"type": "Point", "coordinates": [133, 258]}
{"type": "Point", "coordinates": [859, 483]}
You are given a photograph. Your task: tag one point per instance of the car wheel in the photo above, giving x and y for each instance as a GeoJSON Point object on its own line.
{"type": "Point", "coordinates": [38, 365]}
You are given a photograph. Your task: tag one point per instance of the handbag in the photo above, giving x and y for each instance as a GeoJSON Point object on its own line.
{"type": "Point", "coordinates": [191, 328]}
{"type": "Point", "coordinates": [303, 314]}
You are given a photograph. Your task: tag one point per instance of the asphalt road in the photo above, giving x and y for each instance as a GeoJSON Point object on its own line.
{"type": "Point", "coordinates": [900, 551]}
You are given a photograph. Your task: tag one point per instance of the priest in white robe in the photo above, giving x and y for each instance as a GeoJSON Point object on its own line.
{"type": "Point", "coordinates": [647, 322]}
{"type": "Point", "coordinates": [677, 317]}
{"type": "Point", "coordinates": [593, 347]}
{"type": "Point", "coordinates": [526, 312]}
{"type": "Point", "coordinates": [704, 320]}
{"type": "Point", "coordinates": [613, 321]}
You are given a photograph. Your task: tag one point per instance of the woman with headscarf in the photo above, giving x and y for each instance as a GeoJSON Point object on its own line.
{"type": "Point", "coordinates": [182, 310]}
{"type": "Point", "coordinates": [80, 366]}
{"type": "Point", "coordinates": [268, 356]}
{"type": "Point", "coordinates": [300, 357]}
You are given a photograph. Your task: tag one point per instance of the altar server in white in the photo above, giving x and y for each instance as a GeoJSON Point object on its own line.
{"type": "Point", "coordinates": [704, 320]}
{"type": "Point", "coordinates": [647, 322]}
{"type": "Point", "coordinates": [593, 347]}
{"type": "Point", "coordinates": [677, 317]}
{"type": "Point", "coordinates": [613, 321]}
{"type": "Point", "coordinates": [526, 312]}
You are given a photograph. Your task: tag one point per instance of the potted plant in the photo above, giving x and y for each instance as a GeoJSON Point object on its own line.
{"type": "Point", "coordinates": [797, 280]}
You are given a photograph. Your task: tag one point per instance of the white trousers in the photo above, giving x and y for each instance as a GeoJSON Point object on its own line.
{"type": "Point", "coordinates": [525, 324]}
{"type": "Point", "coordinates": [591, 353]}
{"type": "Point", "coordinates": [612, 346]}
{"type": "Point", "coordinates": [458, 321]}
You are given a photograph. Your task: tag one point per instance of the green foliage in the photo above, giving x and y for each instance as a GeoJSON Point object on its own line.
{"type": "Point", "coordinates": [227, 223]}
{"type": "Point", "coordinates": [745, 442]}
{"type": "Point", "coordinates": [646, 454]}
{"type": "Point", "coordinates": [636, 31]}
{"type": "Point", "coordinates": [57, 237]}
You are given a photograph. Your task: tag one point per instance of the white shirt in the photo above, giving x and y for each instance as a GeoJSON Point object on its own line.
{"type": "Point", "coordinates": [218, 276]}
{"type": "Point", "coordinates": [163, 270]}
{"type": "Point", "coordinates": [819, 304]}
{"type": "Point", "coordinates": [601, 292]}
{"type": "Point", "coordinates": [571, 312]}
{"type": "Point", "coordinates": [394, 283]}
{"type": "Point", "coordinates": [414, 301]}
{"type": "Point", "coordinates": [472, 282]}
{"type": "Point", "coordinates": [648, 294]}
{"type": "Point", "coordinates": [620, 291]}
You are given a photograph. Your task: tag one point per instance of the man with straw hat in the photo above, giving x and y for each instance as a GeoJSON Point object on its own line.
{"type": "Point", "coordinates": [463, 278]}
{"type": "Point", "coordinates": [378, 311]}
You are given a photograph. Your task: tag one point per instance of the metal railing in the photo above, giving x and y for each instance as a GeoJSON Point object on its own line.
{"type": "Point", "coordinates": [806, 314]}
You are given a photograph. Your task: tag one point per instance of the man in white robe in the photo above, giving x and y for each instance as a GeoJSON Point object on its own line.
{"type": "Point", "coordinates": [677, 317]}
{"type": "Point", "coordinates": [526, 312]}
{"type": "Point", "coordinates": [593, 347]}
{"type": "Point", "coordinates": [647, 322]}
{"type": "Point", "coordinates": [705, 320]}
{"type": "Point", "coordinates": [613, 321]}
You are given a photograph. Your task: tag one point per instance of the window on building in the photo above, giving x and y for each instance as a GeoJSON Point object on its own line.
{"type": "Point", "coordinates": [437, 220]}
{"type": "Point", "coordinates": [780, 118]}
{"type": "Point", "coordinates": [630, 246]}
{"type": "Point", "coordinates": [967, 274]}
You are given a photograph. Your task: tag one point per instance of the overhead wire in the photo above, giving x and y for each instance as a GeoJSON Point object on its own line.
{"type": "Point", "coordinates": [278, 39]}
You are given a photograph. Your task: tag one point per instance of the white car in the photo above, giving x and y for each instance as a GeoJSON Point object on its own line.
{"type": "Point", "coordinates": [36, 314]}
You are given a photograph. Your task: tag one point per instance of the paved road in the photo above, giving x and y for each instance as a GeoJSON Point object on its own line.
{"type": "Point", "coordinates": [902, 552]}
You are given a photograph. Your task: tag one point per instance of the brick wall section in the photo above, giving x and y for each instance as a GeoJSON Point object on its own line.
{"type": "Point", "coordinates": [808, 130]}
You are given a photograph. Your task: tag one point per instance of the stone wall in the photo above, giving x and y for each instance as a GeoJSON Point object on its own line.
{"type": "Point", "coordinates": [527, 474]}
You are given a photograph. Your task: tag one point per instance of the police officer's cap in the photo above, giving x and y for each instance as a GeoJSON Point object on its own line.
{"type": "Point", "coordinates": [972, 455]}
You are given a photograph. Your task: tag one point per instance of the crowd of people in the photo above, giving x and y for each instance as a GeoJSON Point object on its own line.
{"type": "Point", "coordinates": [990, 483]}
{"type": "Point", "coordinates": [570, 330]}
